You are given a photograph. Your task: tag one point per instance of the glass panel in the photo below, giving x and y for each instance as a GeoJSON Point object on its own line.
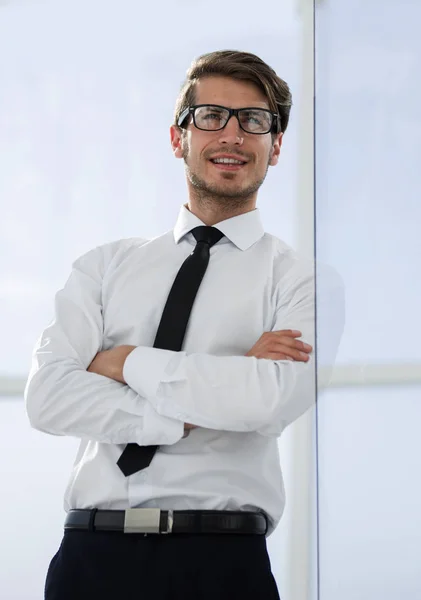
{"type": "Point", "coordinates": [368, 185]}
{"type": "Point", "coordinates": [369, 493]}
{"type": "Point", "coordinates": [368, 213]}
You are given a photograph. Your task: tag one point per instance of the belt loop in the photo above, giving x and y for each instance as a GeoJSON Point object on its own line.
{"type": "Point", "coordinates": [91, 526]}
{"type": "Point", "coordinates": [267, 522]}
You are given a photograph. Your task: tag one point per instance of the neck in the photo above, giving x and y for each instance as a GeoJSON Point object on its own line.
{"type": "Point", "coordinates": [214, 210]}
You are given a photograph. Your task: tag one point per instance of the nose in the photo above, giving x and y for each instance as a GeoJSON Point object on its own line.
{"type": "Point", "coordinates": [232, 133]}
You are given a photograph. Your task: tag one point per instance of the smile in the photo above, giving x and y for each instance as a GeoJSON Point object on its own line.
{"type": "Point", "coordinates": [228, 164]}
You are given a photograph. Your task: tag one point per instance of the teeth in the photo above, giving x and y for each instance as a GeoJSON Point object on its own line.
{"type": "Point", "coordinates": [228, 161]}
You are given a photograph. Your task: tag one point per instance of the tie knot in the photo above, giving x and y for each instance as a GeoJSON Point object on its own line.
{"type": "Point", "coordinates": [207, 234]}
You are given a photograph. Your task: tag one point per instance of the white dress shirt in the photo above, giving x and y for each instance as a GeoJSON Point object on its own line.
{"type": "Point", "coordinates": [115, 295]}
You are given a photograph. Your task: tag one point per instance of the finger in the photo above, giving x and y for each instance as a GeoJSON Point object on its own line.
{"type": "Point", "coordinates": [281, 356]}
{"type": "Point", "coordinates": [296, 344]}
{"type": "Point", "coordinates": [287, 341]}
{"type": "Point", "coordinates": [295, 354]}
{"type": "Point", "coordinates": [276, 356]}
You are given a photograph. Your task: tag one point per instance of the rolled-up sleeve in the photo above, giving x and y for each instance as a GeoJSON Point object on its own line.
{"type": "Point", "coordinates": [239, 393]}
{"type": "Point", "coordinates": [61, 396]}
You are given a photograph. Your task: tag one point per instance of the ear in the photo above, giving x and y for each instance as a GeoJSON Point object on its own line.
{"type": "Point", "coordinates": [276, 149]}
{"type": "Point", "coordinates": [175, 135]}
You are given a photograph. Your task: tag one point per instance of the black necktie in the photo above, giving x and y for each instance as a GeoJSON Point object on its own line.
{"type": "Point", "coordinates": [172, 327]}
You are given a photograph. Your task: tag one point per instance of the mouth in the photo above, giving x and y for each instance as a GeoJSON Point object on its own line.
{"type": "Point", "coordinates": [225, 164]}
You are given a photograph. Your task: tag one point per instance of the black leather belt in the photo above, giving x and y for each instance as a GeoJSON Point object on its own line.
{"type": "Point", "coordinates": [155, 520]}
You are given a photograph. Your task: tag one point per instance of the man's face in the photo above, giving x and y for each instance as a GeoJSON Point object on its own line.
{"type": "Point", "coordinates": [198, 147]}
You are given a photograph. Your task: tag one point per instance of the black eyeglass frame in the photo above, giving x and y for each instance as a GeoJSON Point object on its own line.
{"type": "Point", "coordinates": [274, 128]}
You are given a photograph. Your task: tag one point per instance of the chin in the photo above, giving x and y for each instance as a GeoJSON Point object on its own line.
{"type": "Point", "coordinates": [225, 187]}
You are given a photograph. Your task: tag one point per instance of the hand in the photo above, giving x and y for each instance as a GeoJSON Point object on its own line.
{"type": "Point", "coordinates": [188, 426]}
{"type": "Point", "coordinates": [279, 345]}
{"type": "Point", "coordinates": [110, 363]}
{"type": "Point", "coordinates": [276, 345]}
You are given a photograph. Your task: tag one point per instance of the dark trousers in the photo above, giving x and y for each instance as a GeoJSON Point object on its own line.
{"type": "Point", "coordinates": [112, 565]}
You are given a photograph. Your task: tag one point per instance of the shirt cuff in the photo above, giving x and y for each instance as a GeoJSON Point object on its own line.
{"type": "Point", "coordinates": [144, 368]}
{"type": "Point", "coordinates": [160, 430]}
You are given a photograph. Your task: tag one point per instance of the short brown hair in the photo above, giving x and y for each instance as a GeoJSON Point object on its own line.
{"type": "Point", "coordinates": [238, 65]}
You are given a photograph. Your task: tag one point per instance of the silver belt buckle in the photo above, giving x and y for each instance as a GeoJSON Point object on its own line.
{"type": "Point", "coordinates": [145, 520]}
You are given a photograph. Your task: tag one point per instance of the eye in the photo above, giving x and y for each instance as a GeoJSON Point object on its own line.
{"type": "Point", "coordinates": [212, 115]}
{"type": "Point", "coordinates": [253, 117]}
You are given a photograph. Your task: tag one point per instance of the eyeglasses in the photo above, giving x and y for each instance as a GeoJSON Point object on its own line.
{"type": "Point", "coordinates": [213, 117]}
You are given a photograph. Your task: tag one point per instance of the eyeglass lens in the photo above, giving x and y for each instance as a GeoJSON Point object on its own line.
{"type": "Point", "coordinates": [212, 118]}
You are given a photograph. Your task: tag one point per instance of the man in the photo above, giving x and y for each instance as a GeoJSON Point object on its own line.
{"type": "Point", "coordinates": [177, 482]}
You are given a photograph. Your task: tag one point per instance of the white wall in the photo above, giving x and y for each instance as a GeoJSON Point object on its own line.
{"type": "Point", "coordinates": [88, 91]}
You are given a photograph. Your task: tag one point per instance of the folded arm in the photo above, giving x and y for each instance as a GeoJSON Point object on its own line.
{"type": "Point", "coordinates": [239, 393]}
{"type": "Point", "coordinates": [61, 397]}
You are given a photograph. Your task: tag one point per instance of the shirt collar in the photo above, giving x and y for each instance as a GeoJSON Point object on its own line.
{"type": "Point", "coordinates": [243, 230]}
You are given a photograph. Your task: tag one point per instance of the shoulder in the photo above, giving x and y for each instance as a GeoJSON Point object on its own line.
{"type": "Point", "coordinates": [292, 270]}
{"type": "Point", "coordinates": [288, 263]}
{"type": "Point", "coordinates": [109, 255]}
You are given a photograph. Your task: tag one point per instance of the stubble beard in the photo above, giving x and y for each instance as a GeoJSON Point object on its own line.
{"type": "Point", "coordinates": [208, 195]}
